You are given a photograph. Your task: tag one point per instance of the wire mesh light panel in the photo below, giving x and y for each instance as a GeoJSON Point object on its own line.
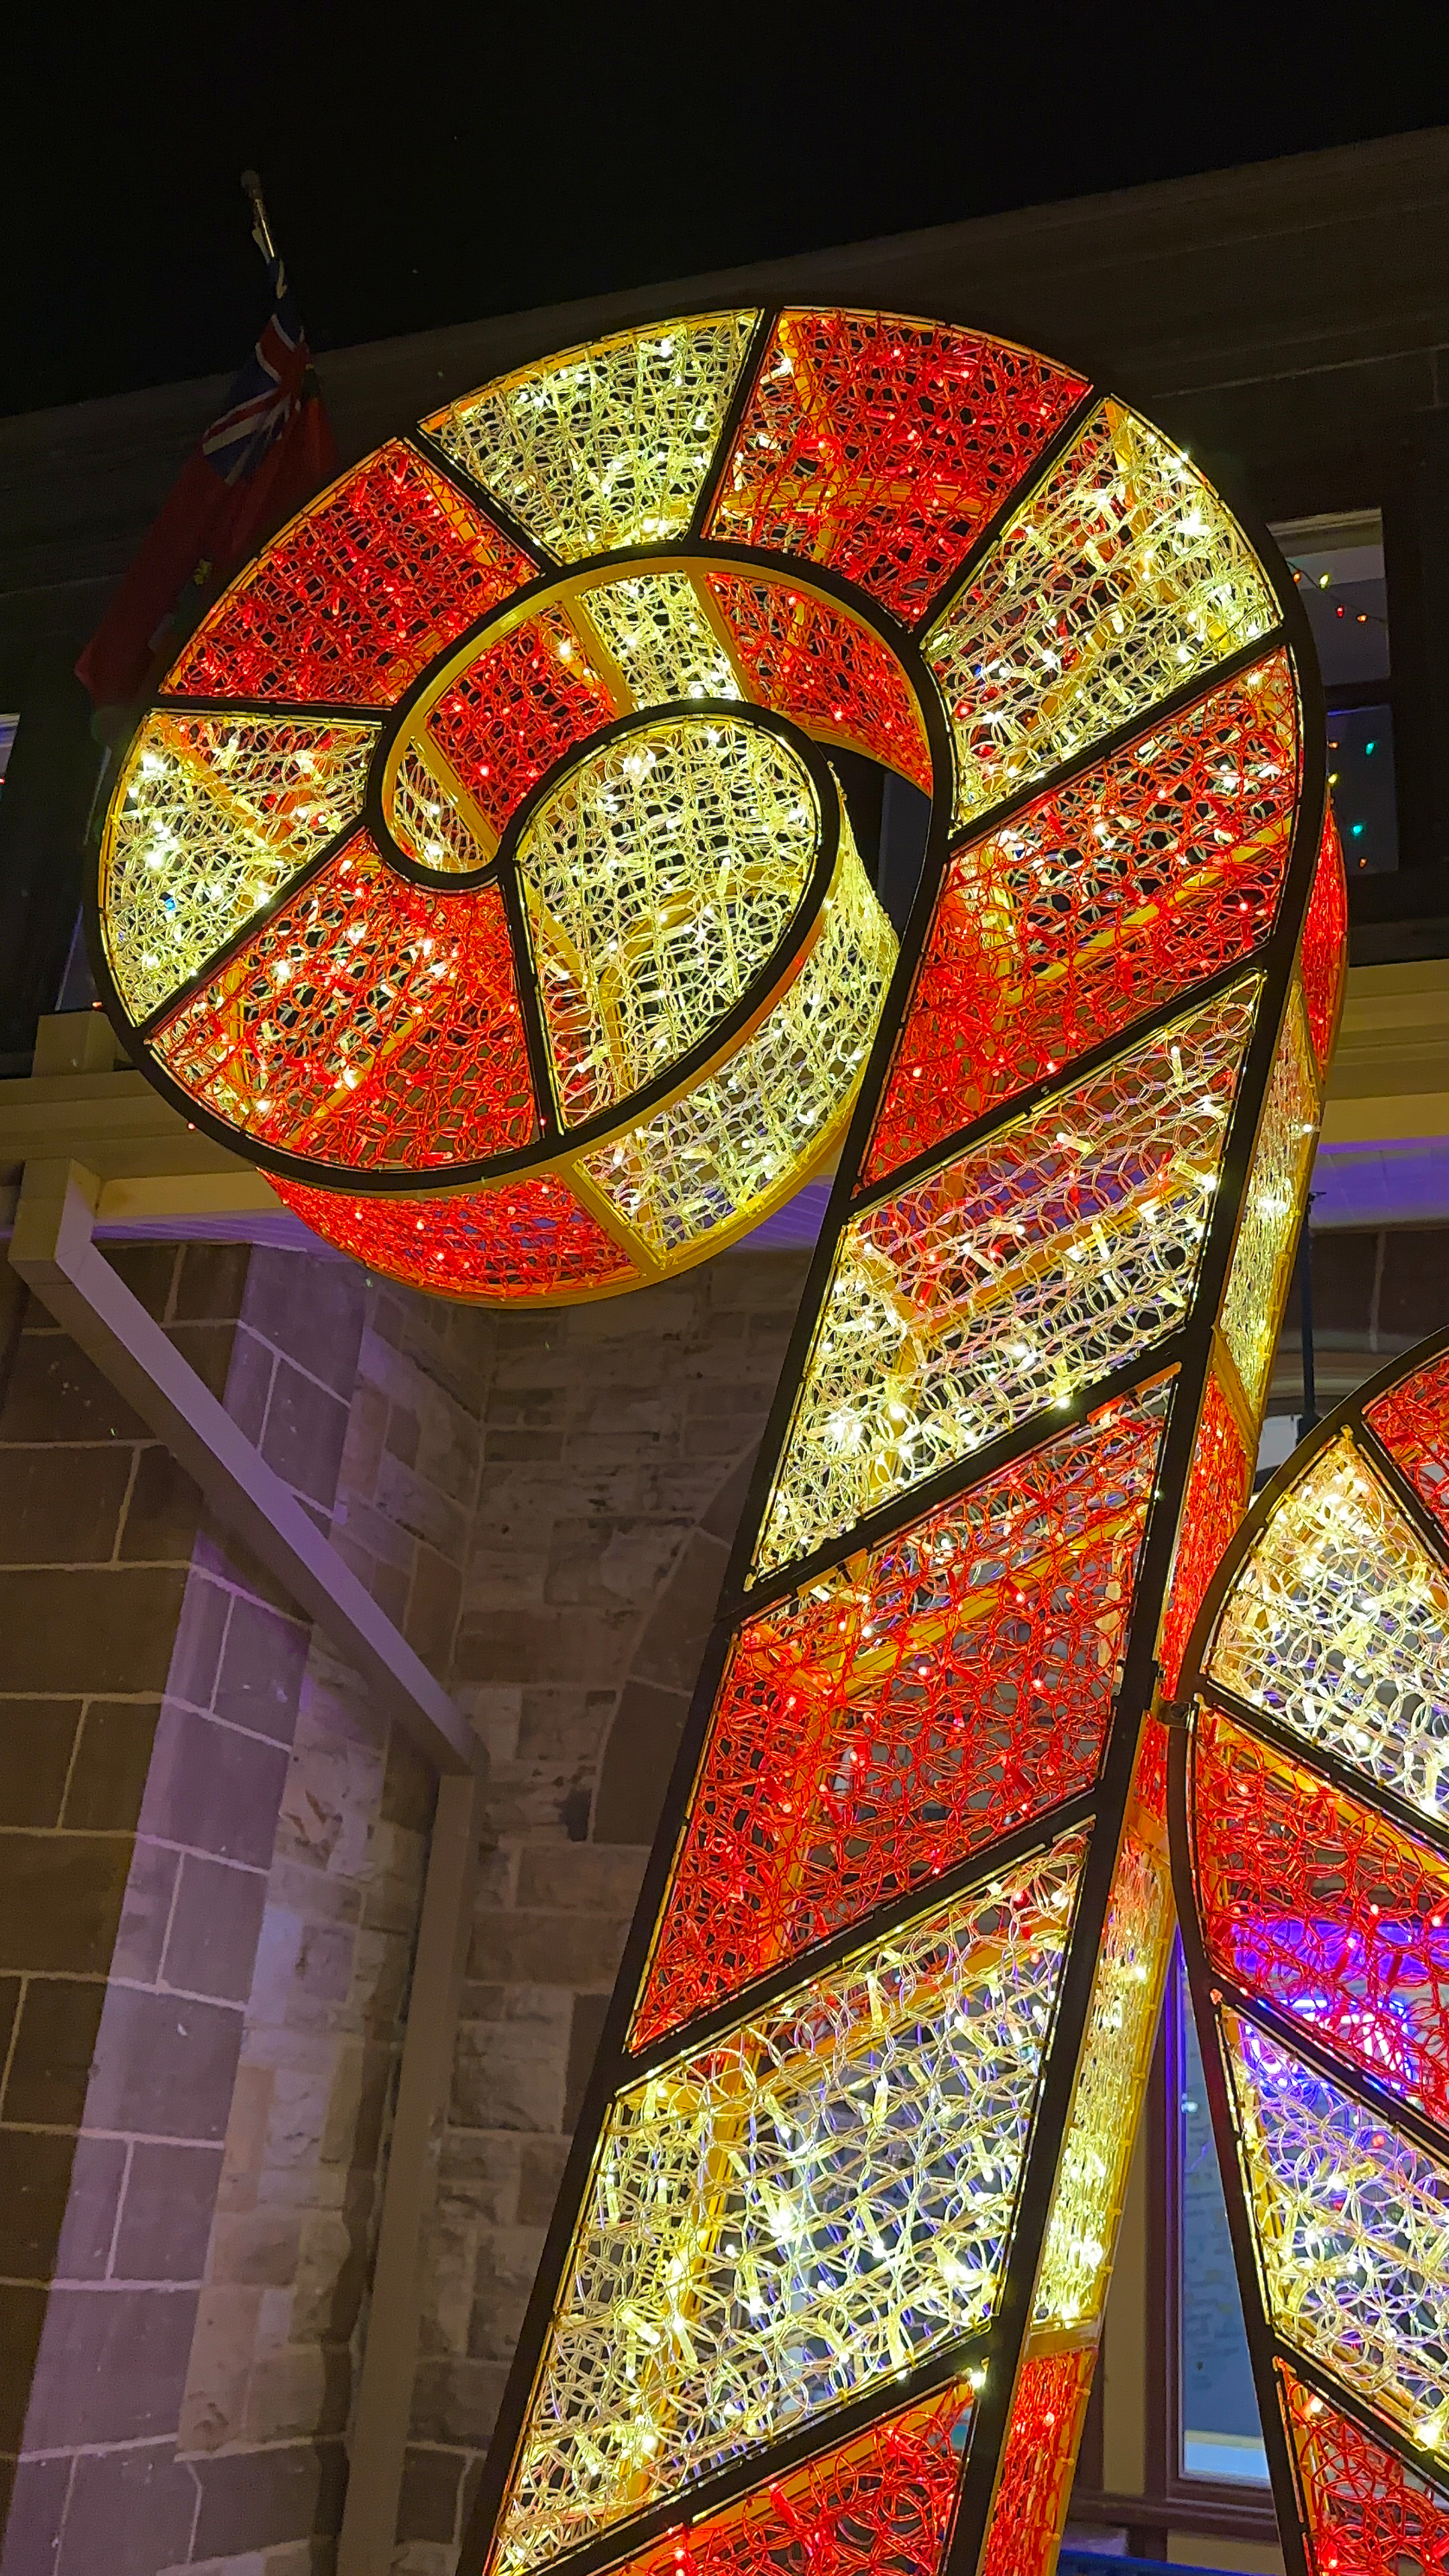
{"type": "Point", "coordinates": [1311, 1845]}
{"type": "Point", "coordinates": [563, 970]}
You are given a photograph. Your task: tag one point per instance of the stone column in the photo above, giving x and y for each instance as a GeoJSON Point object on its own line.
{"type": "Point", "coordinates": [282, 2309]}
{"type": "Point", "coordinates": [615, 1443]}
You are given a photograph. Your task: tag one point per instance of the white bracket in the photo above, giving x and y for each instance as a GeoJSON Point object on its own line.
{"type": "Point", "coordinates": [54, 1250]}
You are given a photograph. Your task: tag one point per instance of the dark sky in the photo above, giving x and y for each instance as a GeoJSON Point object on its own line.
{"type": "Point", "coordinates": [430, 161]}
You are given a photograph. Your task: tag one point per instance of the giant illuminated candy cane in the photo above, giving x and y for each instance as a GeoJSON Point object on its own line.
{"type": "Point", "coordinates": [480, 873]}
{"type": "Point", "coordinates": [1311, 1814]}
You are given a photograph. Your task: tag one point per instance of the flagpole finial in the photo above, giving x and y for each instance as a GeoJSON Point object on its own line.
{"type": "Point", "coordinates": [261, 229]}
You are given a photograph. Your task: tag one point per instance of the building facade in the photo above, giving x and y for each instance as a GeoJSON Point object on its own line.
{"type": "Point", "coordinates": [212, 1854]}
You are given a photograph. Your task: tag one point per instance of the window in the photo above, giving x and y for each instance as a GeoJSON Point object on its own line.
{"type": "Point", "coordinates": [1219, 2432]}
{"type": "Point", "coordinates": [1178, 2449]}
{"type": "Point", "coordinates": [1337, 562]}
{"type": "Point", "coordinates": [7, 743]}
{"type": "Point", "coordinates": [1361, 772]}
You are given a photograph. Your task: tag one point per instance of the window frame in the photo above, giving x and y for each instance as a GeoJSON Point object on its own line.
{"type": "Point", "coordinates": [1346, 697]}
{"type": "Point", "coordinates": [1399, 483]}
{"type": "Point", "coordinates": [1218, 2505]}
{"type": "Point", "coordinates": [1210, 2508]}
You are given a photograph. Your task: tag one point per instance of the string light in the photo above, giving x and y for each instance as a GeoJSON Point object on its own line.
{"type": "Point", "coordinates": [1324, 581]}
{"type": "Point", "coordinates": [908, 1705]}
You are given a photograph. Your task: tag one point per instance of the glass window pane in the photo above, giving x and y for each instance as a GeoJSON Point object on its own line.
{"type": "Point", "coordinates": [1338, 564]}
{"type": "Point", "coordinates": [7, 739]}
{"type": "Point", "coordinates": [1361, 770]}
{"type": "Point", "coordinates": [1221, 2434]}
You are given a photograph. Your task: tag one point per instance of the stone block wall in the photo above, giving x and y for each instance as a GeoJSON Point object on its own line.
{"type": "Point", "coordinates": [282, 2307]}
{"type": "Point", "coordinates": [212, 1866]}
{"type": "Point", "coordinates": [617, 1440]}
{"type": "Point", "coordinates": [151, 1686]}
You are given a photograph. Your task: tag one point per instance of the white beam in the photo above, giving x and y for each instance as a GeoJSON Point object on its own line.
{"type": "Point", "coordinates": [53, 1249]}
{"type": "Point", "coordinates": [377, 2443]}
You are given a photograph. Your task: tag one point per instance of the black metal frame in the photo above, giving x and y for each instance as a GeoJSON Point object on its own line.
{"type": "Point", "coordinates": [552, 1138]}
{"type": "Point", "coordinates": [1211, 1989]}
{"type": "Point", "coordinates": [1188, 1352]}
{"type": "Point", "coordinates": [554, 575]}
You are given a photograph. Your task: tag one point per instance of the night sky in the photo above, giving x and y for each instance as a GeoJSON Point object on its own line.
{"type": "Point", "coordinates": [432, 163]}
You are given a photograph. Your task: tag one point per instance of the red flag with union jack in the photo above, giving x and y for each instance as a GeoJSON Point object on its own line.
{"type": "Point", "coordinates": [271, 449]}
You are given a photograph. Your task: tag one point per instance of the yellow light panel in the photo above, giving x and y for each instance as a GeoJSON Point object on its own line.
{"type": "Point", "coordinates": [607, 445]}
{"type": "Point", "coordinates": [1102, 2131]}
{"type": "Point", "coordinates": [1352, 2224]}
{"type": "Point", "coordinates": [824, 2193]}
{"type": "Point", "coordinates": [212, 816]}
{"type": "Point", "coordinates": [1120, 579]}
{"type": "Point", "coordinates": [429, 822]}
{"type": "Point", "coordinates": [727, 1150]}
{"type": "Point", "coordinates": [661, 874]}
{"type": "Point", "coordinates": [661, 639]}
{"type": "Point", "coordinates": [1272, 1208]}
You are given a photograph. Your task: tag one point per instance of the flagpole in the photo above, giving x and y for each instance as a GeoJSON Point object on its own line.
{"type": "Point", "coordinates": [261, 229]}
{"type": "Point", "coordinates": [247, 473]}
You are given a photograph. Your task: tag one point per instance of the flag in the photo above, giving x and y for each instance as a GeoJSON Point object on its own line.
{"type": "Point", "coordinates": [271, 449]}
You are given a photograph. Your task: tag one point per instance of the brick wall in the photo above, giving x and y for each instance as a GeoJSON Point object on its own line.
{"type": "Point", "coordinates": [152, 1682]}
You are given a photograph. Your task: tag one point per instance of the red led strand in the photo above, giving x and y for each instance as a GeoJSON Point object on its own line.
{"type": "Point", "coordinates": [527, 1238]}
{"type": "Point", "coordinates": [882, 447]}
{"type": "Point", "coordinates": [368, 1023]}
{"type": "Point", "coordinates": [351, 601]}
{"type": "Point", "coordinates": [1094, 906]}
{"type": "Point", "coordinates": [874, 1729]}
